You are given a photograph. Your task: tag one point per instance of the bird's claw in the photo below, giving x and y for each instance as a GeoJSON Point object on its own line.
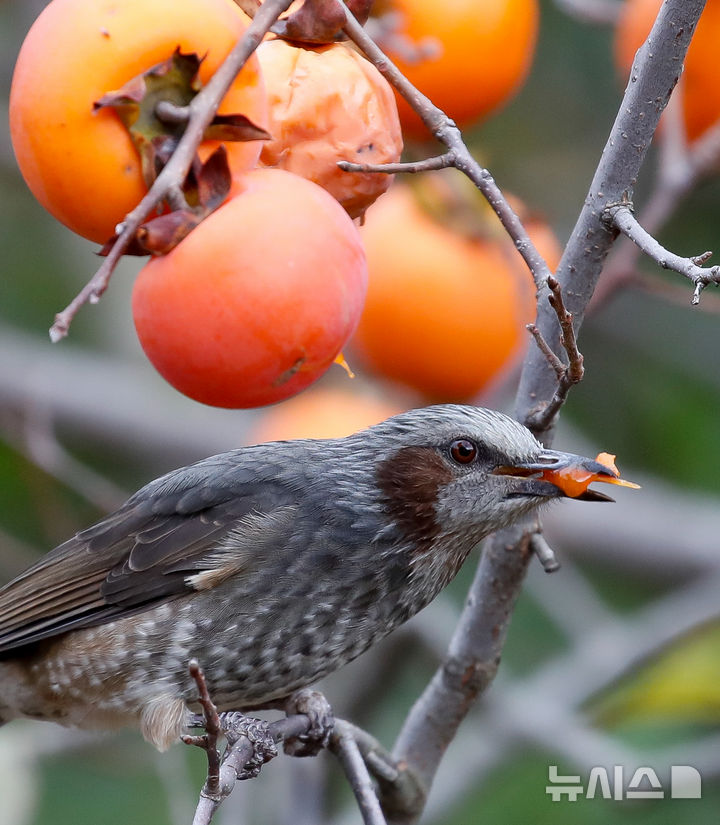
{"type": "Point", "coordinates": [236, 725]}
{"type": "Point", "coordinates": [317, 708]}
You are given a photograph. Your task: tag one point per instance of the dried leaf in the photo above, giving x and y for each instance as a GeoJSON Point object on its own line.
{"type": "Point", "coordinates": [235, 128]}
{"type": "Point", "coordinates": [214, 180]}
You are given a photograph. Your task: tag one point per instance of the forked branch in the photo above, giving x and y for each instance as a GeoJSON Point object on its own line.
{"type": "Point", "coordinates": [620, 215]}
{"type": "Point", "coordinates": [568, 374]}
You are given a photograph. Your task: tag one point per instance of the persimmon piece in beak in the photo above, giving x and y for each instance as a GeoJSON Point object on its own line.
{"type": "Point", "coordinates": [575, 477]}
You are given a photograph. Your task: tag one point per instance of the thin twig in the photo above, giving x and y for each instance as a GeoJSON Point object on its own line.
{"type": "Point", "coordinates": [556, 363]}
{"type": "Point", "coordinates": [620, 216]}
{"type": "Point", "coordinates": [681, 166]}
{"type": "Point", "coordinates": [445, 130]}
{"type": "Point", "coordinates": [575, 370]}
{"type": "Point", "coordinates": [211, 722]}
{"type": "Point", "coordinates": [567, 374]}
{"type": "Point", "coordinates": [202, 109]}
{"type": "Point", "coordinates": [345, 747]}
{"type": "Point", "coordinates": [545, 553]}
{"type": "Point", "coordinates": [427, 165]}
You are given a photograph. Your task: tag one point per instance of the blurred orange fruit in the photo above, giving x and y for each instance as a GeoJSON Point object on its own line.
{"type": "Point", "coordinates": [699, 81]}
{"type": "Point", "coordinates": [485, 48]}
{"type": "Point", "coordinates": [445, 314]}
{"type": "Point", "coordinates": [322, 413]}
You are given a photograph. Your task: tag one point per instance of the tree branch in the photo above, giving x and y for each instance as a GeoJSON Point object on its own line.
{"type": "Point", "coordinates": [680, 167]}
{"type": "Point", "coordinates": [344, 745]}
{"type": "Point", "coordinates": [478, 641]}
{"type": "Point", "coordinates": [604, 12]}
{"type": "Point", "coordinates": [653, 76]}
{"type": "Point", "coordinates": [621, 217]}
{"type": "Point", "coordinates": [567, 374]}
{"type": "Point", "coordinates": [458, 155]}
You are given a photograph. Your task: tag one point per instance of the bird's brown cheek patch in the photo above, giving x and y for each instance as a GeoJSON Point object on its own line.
{"type": "Point", "coordinates": [410, 479]}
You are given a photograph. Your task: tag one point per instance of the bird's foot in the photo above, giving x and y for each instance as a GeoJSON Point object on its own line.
{"type": "Point", "coordinates": [317, 708]}
{"type": "Point", "coordinates": [236, 725]}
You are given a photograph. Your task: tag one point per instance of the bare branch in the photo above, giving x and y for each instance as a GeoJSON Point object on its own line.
{"type": "Point", "coordinates": [567, 374]}
{"type": "Point", "coordinates": [344, 746]}
{"type": "Point", "coordinates": [545, 553]}
{"type": "Point", "coordinates": [478, 641]}
{"type": "Point", "coordinates": [32, 432]}
{"type": "Point", "coordinates": [445, 130]}
{"type": "Point", "coordinates": [556, 363]}
{"type": "Point", "coordinates": [654, 75]}
{"type": "Point", "coordinates": [620, 216]}
{"type": "Point", "coordinates": [211, 723]}
{"type": "Point", "coordinates": [427, 165]}
{"type": "Point", "coordinates": [680, 168]}
{"type": "Point", "coordinates": [400, 790]}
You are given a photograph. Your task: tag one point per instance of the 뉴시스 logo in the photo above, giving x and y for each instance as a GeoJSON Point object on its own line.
{"type": "Point", "coordinates": [642, 783]}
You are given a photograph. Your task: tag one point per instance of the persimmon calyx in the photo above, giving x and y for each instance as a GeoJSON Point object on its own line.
{"type": "Point", "coordinates": [320, 21]}
{"type": "Point", "coordinates": [153, 108]}
{"type": "Point", "coordinates": [206, 187]}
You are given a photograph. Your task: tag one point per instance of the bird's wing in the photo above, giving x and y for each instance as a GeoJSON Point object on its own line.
{"type": "Point", "coordinates": [190, 530]}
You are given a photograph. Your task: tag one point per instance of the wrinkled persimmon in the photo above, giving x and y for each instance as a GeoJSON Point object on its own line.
{"type": "Point", "coordinates": [445, 314]}
{"type": "Point", "coordinates": [82, 166]}
{"type": "Point", "coordinates": [327, 104]}
{"type": "Point", "coordinates": [258, 300]}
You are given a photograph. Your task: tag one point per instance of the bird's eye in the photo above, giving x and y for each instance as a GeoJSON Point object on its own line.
{"type": "Point", "coordinates": [463, 451]}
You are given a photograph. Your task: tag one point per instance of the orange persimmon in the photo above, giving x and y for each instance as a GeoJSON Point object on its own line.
{"type": "Point", "coordinates": [445, 313]}
{"type": "Point", "coordinates": [258, 300]}
{"type": "Point", "coordinates": [482, 53]}
{"type": "Point", "coordinates": [82, 165]}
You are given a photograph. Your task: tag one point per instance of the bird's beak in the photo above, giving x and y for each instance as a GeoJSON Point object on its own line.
{"type": "Point", "coordinates": [554, 474]}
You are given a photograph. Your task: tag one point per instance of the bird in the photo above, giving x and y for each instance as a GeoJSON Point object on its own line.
{"type": "Point", "coordinates": [271, 565]}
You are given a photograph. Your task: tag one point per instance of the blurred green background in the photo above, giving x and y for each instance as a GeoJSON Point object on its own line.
{"type": "Point", "coordinates": [87, 421]}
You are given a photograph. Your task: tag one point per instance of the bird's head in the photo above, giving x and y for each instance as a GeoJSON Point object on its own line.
{"type": "Point", "coordinates": [463, 472]}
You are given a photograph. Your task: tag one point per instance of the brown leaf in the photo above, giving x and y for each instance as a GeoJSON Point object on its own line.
{"type": "Point", "coordinates": [316, 21]}
{"type": "Point", "coordinates": [160, 235]}
{"type": "Point", "coordinates": [214, 180]}
{"type": "Point", "coordinates": [235, 128]}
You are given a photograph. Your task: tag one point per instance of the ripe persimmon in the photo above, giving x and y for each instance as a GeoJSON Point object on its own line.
{"type": "Point", "coordinates": [699, 80]}
{"type": "Point", "coordinates": [322, 412]}
{"type": "Point", "coordinates": [445, 314]}
{"type": "Point", "coordinates": [480, 53]}
{"type": "Point", "coordinates": [82, 166]}
{"type": "Point", "coordinates": [328, 103]}
{"type": "Point", "coordinates": [258, 300]}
